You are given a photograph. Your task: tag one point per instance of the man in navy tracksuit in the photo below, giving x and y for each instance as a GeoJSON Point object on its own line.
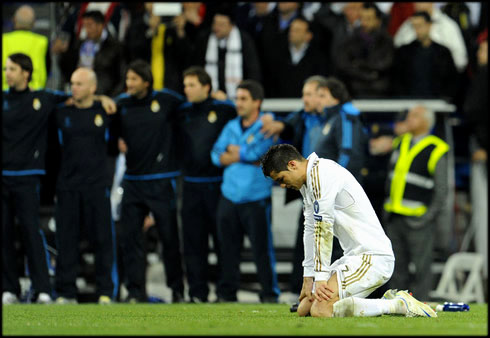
{"type": "Point", "coordinates": [201, 120]}
{"type": "Point", "coordinates": [343, 138]}
{"type": "Point", "coordinates": [147, 123]}
{"type": "Point", "coordinates": [245, 205]}
{"type": "Point", "coordinates": [25, 116]}
{"type": "Point", "coordinates": [83, 191]}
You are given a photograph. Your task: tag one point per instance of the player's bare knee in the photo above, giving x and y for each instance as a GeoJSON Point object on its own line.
{"type": "Point", "coordinates": [322, 309]}
{"type": "Point", "coordinates": [304, 308]}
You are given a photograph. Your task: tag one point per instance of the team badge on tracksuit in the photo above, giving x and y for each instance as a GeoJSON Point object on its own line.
{"type": "Point", "coordinates": [326, 129]}
{"type": "Point", "coordinates": [212, 117]}
{"type": "Point", "coordinates": [154, 106]}
{"type": "Point", "coordinates": [98, 120]}
{"type": "Point", "coordinates": [36, 104]}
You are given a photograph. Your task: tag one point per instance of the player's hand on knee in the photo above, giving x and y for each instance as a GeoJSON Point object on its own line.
{"type": "Point", "coordinates": [306, 290]}
{"type": "Point", "coordinates": [322, 291]}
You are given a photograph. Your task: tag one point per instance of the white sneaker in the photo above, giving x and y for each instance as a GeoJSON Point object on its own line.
{"type": "Point", "coordinates": [9, 298]}
{"type": "Point", "coordinates": [415, 308]}
{"type": "Point", "coordinates": [105, 300]}
{"type": "Point", "coordinates": [63, 300]}
{"type": "Point", "coordinates": [44, 298]}
{"type": "Point", "coordinates": [390, 294]}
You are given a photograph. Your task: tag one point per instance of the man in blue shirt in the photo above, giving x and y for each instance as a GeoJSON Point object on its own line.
{"type": "Point", "coordinates": [245, 204]}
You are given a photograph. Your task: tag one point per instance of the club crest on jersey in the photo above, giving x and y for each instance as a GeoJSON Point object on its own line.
{"type": "Point", "coordinates": [212, 117]}
{"type": "Point", "coordinates": [154, 106]}
{"type": "Point", "coordinates": [316, 207]}
{"type": "Point", "coordinates": [98, 120]}
{"type": "Point", "coordinates": [250, 139]}
{"type": "Point", "coordinates": [326, 129]}
{"type": "Point", "coordinates": [36, 104]}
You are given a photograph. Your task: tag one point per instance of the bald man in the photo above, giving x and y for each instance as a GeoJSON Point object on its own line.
{"type": "Point", "coordinates": [24, 17]}
{"type": "Point", "coordinates": [83, 191]}
{"type": "Point", "coordinates": [23, 40]}
{"type": "Point", "coordinates": [416, 191]}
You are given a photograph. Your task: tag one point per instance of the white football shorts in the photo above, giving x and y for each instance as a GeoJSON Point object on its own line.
{"type": "Point", "coordinates": [359, 276]}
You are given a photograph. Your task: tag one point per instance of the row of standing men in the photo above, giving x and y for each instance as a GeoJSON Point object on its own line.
{"type": "Point", "coordinates": [203, 140]}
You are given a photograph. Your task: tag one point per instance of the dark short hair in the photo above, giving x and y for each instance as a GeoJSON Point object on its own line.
{"type": "Point", "coordinates": [202, 76]}
{"type": "Point", "coordinates": [225, 9]}
{"type": "Point", "coordinates": [337, 88]}
{"type": "Point", "coordinates": [277, 158]}
{"type": "Point", "coordinates": [97, 16]}
{"type": "Point", "coordinates": [372, 5]}
{"type": "Point", "coordinates": [254, 87]}
{"type": "Point", "coordinates": [143, 69]}
{"type": "Point", "coordinates": [24, 61]}
{"type": "Point", "coordinates": [424, 15]}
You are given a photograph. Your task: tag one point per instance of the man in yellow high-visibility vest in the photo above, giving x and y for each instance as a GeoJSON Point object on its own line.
{"type": "Point", "coordinates": [23, 40]}
{"type": "Point", "coordinates": [416, 191]}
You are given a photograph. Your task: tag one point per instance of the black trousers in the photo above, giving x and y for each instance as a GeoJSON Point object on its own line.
{"type": "Point", "coordinates": [199, 204]}
{"type": "Point", "coordinates": [92, 208]}
{"type": "Point", "coordinates": [411, 245]}
{"type": "Point", "coordinates": [252, 219]}
{"type": "Point", "coordinates": [139, 198]}
{"type": "Point", "coordinates": [20, 198]}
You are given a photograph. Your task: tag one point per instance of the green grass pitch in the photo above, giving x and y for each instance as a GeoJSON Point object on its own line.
{"type": "Point", "coordinates": [223, 319]}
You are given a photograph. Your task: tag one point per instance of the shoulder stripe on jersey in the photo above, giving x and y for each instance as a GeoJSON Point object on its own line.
{"type": "Point", "coordinates": [313, 184]}
{"type": "Point", "coordinates": [318, 182]}
{"type": "Point", "coordinates": [185, 105]}
{"type": "Point", "coordinates": [225, 102]}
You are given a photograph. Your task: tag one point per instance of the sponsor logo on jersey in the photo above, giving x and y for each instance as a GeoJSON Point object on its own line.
{"type": "Point", "coordinates": [36, 104]}
{"type": "Point", "coordinates": [250, 139]}
{"type": "Point", "coordinates": [212, 117]}
{"type": "Point", "coordinates": [317, 218]}
{"type": "Point", "coordinates": [326, 129]}
{"type": "Point", "coordinates": [316, 207]}
{"type": "Point", "coordinates": [154, 106]}
{"type": "Point", "coordinates": [98, 120]}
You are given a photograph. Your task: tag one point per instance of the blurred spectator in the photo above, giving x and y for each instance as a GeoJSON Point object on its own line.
{"type": "Point", "coordinates": [245, 204]}
{"type": "Point", "coordinates": [274, 43]}
{"type": "Point", "coordinates": [416, 191]}
{"type": "Point", "coordinates": [337, 23]}
{"type": "Point", "coordinates": [301, 60]}
{"type": "Point", "coordinates": [24, 40]}
{"type": "Point", "coordinates": [365, 59]}
{"type": "Point", "coordinates": [159, 43]}
{"type": "Point", "coordinates": [115, 18]}
{"type": "Point", "coordinates": [227, 53]}
{"type": "Point", "coordinates": [444, 31]}
{"type": "Point", "coordinates": [476, 111]}
{"type": "Point", "coordinates": [201, 120]}
{"type": "Point", "coordinates": [424, 68]}
{"type": "Point", "coordinates": [147, 121]}
{"type": "Point", "coordinates": [25, 116]}
{"type": "Point", "coordinates": [399, 12]}
{"type": "Point", "coordinates": [99, 51]}
{"type": "Point", "coordinates": [302, 129]}
{"type": "Point", "coordinates": [251, 15]}
{"type": "Point", "coordinates": [342, 137]}
{"type": "Point", "coordinates": [82, 191]}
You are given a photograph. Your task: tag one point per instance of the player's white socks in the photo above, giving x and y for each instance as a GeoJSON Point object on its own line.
{"type": "Point", "coordinates": [361, 307]}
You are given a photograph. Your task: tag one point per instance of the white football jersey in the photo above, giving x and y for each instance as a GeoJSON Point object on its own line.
{"type": "Point", "coordinates": [334, 204]}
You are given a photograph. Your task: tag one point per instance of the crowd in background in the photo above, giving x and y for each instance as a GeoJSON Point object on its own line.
{"type": "Point", "coordinates": [401, 50]}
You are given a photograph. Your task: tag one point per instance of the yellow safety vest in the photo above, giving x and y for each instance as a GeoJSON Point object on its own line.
{"type": "Point", "coordinates": [32, 44]}
{"type": "Point", "coordinates": [396, 202]}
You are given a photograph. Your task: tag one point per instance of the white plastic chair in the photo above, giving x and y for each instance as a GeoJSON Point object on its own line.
{"type": "Point", "coordinates": [454, 273]}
